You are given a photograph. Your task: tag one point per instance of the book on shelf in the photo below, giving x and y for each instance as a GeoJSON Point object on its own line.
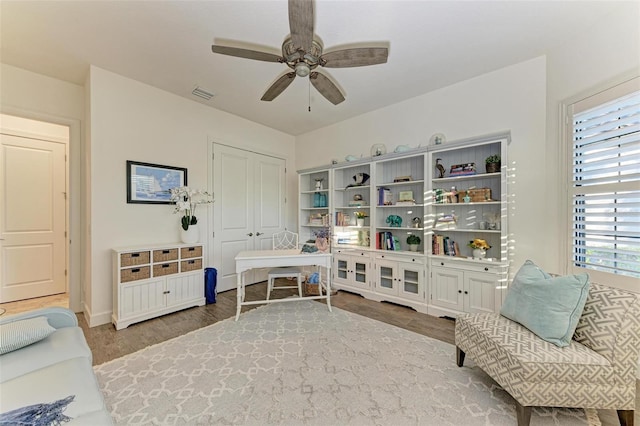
{"type": "Point", "coordinates": [319, 219]}
{"type": "Point", "coordinates": [385, 197]}
{"type": "Point", "coordinates": [446, 222]}
{"type": "Point", "coordinates": [385, 240]}
{"type": "Point", "coordinates": [342, 219]}
{"type": "Point", "coordinates": [444, 246]}
{"type": "Point", "coordinates": [405, 203]}
{"type": "Point", "coordinates": [466, 169]}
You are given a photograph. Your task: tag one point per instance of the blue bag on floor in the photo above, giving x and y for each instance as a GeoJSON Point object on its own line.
{"type": "Point", "coordinates": [210, 284]}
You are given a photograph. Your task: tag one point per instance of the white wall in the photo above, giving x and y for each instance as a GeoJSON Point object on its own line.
{"type": "Point", "coordinates": [512, 98]}
{"type": "Point", "coordinates": [592, 61]}
{"type": "Point", "coordinates": [34, 96]}
{"type": "Point", "coordinates": [133, 121]}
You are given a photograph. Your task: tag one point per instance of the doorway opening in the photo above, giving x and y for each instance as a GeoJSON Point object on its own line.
{"type": "Point", "coordinates": [34, 218]}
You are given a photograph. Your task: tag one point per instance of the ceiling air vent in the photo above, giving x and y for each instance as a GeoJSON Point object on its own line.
{"type": "Point", "coordinates": [202, 93]}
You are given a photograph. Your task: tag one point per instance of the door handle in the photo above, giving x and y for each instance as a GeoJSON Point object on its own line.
{"type": "Point", "coordinates": [250, 234]}
{"type": "Point", "coordinates": [259, 233]}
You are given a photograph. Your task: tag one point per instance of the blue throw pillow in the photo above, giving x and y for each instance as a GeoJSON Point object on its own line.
{"type": "Point", "coordinates": [548, 306]}
{"type": "Point", "coordinates": [18, 334]}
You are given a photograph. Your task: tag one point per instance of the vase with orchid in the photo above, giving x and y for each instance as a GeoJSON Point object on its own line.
{"type": "Point", "coordinates": [479, 247]}
{"type": "Point", "coordinates": [323, 239]}
{"type": "Point", "coordinates": [186, 200]}
{"type": "Point", "coordinates": [360, 217]}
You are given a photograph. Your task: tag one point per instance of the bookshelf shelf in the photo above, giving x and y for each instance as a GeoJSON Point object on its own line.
{"type": "Point", "coordinates": [468, 177]}
{"type": "Point", "coordinates": [481, 203]}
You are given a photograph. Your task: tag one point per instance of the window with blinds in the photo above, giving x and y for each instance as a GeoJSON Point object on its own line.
{"type": "Point", "coordinates": [605, 188]}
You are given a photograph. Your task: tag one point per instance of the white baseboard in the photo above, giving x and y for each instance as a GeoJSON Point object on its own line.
{"type": "Point", "coordinates": [95, 320]}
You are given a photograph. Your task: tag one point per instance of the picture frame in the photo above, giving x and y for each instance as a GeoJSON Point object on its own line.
{"type": "Point", "coordinates": [405, 196]}
{"type": "Point", "coordinates": [149, 183]}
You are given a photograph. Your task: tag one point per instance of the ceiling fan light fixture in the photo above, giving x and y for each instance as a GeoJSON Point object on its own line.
{"type": "Point", "coordinates": [302, 69]}
{"type": "Point", "coordinates": [302, 53]}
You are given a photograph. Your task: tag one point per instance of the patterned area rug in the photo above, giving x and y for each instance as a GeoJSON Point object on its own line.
{"type": "Point", "coordinates": [298, 364]}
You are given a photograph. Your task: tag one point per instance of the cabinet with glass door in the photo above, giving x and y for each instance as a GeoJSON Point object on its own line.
{"type": "Point", "coordinates": [400, 279]}
{"type": "Point", "coordinates": [351, 270]}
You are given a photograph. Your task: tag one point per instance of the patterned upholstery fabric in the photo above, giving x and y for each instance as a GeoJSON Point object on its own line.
{"type": "Point", "coordinates": [597, 370]}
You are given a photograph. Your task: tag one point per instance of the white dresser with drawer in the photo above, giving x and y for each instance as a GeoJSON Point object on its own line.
{"type": "Point", "coordinates": [154, 280]}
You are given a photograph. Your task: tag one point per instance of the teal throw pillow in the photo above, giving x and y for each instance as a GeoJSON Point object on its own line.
{"type": "Point", "coordinates": [548, 306]}
{"type": "Point", "coordinates": [18, 334]}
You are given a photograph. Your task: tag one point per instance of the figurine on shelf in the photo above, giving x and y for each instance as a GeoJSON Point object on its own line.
{"type": "Point", "coordinates": [394, 220]}
{"type": "Point", "coordinates": [440, 167]}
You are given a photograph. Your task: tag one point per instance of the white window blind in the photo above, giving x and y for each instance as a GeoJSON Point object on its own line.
{"type": "Point", "coordinates": [606, 183]}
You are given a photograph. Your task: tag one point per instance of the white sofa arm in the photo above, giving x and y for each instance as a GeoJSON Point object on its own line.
{"type": "Point", "coordinates": [58, 317]}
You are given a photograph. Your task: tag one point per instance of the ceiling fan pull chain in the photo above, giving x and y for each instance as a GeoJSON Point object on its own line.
{"type": "Point", "coordinates": [309, 90]}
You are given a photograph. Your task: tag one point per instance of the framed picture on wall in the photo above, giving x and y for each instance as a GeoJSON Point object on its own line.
{"type": "Point", "coordinates": [152, 183]}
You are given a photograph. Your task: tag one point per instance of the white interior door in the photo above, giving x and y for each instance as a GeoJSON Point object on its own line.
{"type": "Point", "coordinates": [249, 208]}
{"type": "Point", "coordinates": [32, 218]}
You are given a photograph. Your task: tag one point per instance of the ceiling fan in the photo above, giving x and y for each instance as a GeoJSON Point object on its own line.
{"type": "Point", "coordinates": [303, 54]}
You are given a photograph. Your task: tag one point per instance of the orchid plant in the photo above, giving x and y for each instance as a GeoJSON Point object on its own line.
{"type": "Point", "coordinates": [479, 244]}
{"type": "Point", "coordinates": [322, 233]}
{"type": "Point", "coordinates": [186, 200]}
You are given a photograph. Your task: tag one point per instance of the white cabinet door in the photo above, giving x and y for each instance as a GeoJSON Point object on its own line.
{"type": "Point", "coordinates": [446, 288]}
{"type": "Point", "coordinates": [387, 281]}
{"type": "Point", "coordinates": [249, 208]}
{"type": "Point", "coordinates": [140, 297]}
{"type": "Point", "coordinates": [360, 272]}
{"type": "Point", "coordinates": [411, 285]}
{"type": "Point", "coordinates": [341, 269]}
{"type": "Point", "coordinates": [480, 294]}
{"type": "Point", "coordinates": [183, 288]}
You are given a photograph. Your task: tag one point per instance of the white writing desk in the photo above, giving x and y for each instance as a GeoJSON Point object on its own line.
{"type": "Point", "coordinates": [250, 259]}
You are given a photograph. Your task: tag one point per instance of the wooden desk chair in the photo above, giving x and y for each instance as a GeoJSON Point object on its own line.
{"type": "Point", "coordinates": [284, 240]}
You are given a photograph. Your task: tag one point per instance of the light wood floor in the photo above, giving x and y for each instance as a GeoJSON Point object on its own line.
{"type": "Point", "coordinates": [107, 344]}
{"type": "Point", "coordinates": [36, 303]}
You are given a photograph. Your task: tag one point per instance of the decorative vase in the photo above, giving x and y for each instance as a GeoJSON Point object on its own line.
{"type": "Point", "coordinates": [191, 235]}
{"type": "Point", "coordinates": [493, 167]}
{"type": "Point", "coordinates": [413, 247]}
{"type": "Point", "coordinates": [479, 253]}
{"type": "Point", "coordinates": [360, 222]}
{"type": "Point", "coordinates": [322, 244]}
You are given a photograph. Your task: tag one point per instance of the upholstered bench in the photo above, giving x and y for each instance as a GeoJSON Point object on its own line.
{"type": "Point", "coordinates": [596, 370]}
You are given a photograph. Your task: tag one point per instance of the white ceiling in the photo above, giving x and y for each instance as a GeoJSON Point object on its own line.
{"type": "Point", "coordinates": [167, 44]}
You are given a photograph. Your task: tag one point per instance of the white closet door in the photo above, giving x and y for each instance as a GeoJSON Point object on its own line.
{"type": "Point", "coordinates": [249, 208]}
{"type": "Point", "coordinates": [32, 218]}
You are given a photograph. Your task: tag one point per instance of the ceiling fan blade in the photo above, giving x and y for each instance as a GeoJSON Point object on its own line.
{"type": "Point", "coordinates": [326, 88]}
{"type": "Point", "coordinates": [246, 53]}
{"type": "Point", "coordinates": [358, 57]}
{"type": "Point", "coordinates": [301, 23]}
{"type": "Point", "coordinates": [278, 87]}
